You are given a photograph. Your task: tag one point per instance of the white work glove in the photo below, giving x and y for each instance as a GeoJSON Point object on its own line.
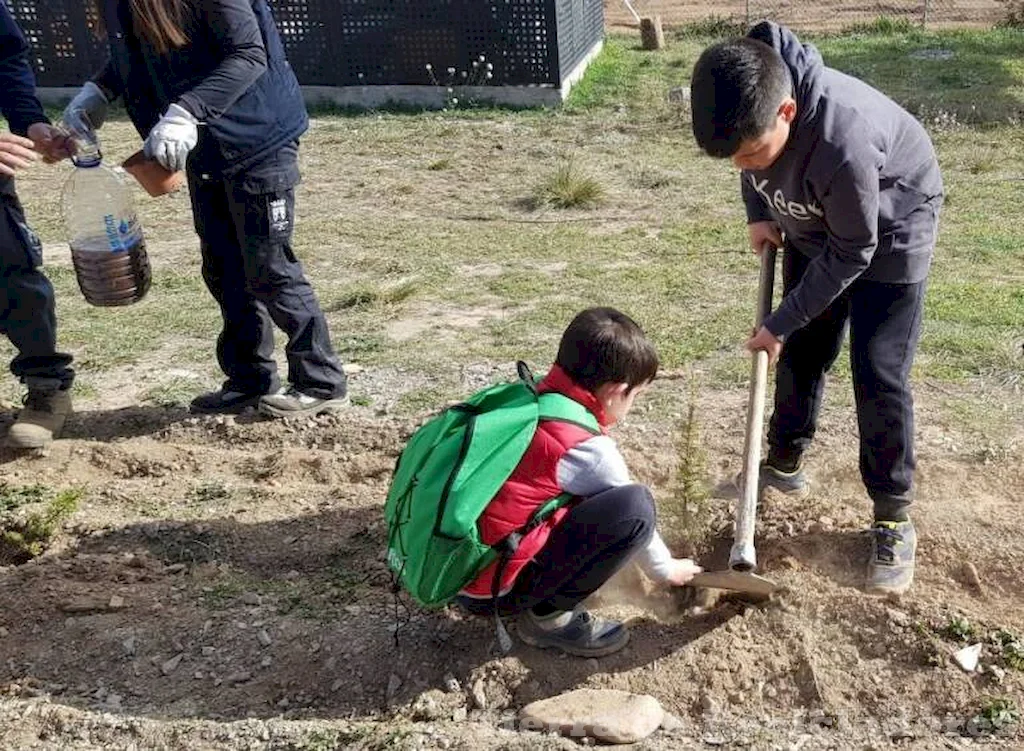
{"type": "Point", "coordinates": [172, 138]}
{"type": "Point", "coordinates": [89, 101]}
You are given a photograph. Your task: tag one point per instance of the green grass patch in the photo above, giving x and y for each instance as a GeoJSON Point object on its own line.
{"type": "Point", "coordinates": [569, 186]}
{"type": "Point", "coordinates": [24, 536]}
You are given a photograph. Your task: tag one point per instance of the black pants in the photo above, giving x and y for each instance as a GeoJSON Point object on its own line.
{"type": "Point", "coordinates": [594, 540]}
{"type": "Point", "coordinates": [245, 226]}
{"type": "Point", "coordinates": [27, 314]}
{"type": "Point", "coordinates": [885, 323]}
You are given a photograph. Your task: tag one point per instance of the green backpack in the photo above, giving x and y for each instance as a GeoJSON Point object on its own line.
{"type": "Point", "coordinates": [449, 472]}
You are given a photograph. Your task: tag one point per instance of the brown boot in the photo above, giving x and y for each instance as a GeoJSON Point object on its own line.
{"type": "Point", "coordinates": [41, 420]}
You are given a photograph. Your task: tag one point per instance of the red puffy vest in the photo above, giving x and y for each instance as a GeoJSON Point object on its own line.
{"type": "Point", "coordinates": [533, 483]}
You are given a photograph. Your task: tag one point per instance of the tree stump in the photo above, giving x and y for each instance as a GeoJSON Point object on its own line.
{"type": "Point", "coordinates": [652, 37]}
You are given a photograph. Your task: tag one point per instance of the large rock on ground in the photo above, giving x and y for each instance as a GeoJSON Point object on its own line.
{"type": "Point", "coordinates": [607, 715]}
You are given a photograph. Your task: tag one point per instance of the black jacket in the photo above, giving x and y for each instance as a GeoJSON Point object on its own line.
{"type": "Point", "coordinates": [231, 74]}
{"type": "Point", "coordinates": [18, 100]}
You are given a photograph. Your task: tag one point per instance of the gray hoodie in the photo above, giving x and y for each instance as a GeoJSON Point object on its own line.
{"type": "Point", "coordinates": [857, 188]}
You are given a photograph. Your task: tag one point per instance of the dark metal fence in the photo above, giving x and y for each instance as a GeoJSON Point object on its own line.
{"type": "Point", "coordinates": [366, 42]}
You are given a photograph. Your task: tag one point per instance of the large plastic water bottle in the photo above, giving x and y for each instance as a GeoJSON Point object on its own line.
{"type": "Point", "coordinates": [107, 246]}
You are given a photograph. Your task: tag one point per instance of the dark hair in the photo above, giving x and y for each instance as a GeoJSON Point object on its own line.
{"type": "Point", "coordinates": [602, 345]}
{"type": "Point", "coordinates": [159, 22]}
{"type": "Point", "coordinates": [735, 93]}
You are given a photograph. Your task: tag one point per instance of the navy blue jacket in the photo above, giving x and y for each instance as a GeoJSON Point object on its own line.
{"type": "Point", "coordinates": [18, 100]}
{"type": "Point", "coordinates": [231, 74]}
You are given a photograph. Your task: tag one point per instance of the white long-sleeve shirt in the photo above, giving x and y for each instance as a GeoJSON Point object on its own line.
{"type": "Point", "coordinates": [596, 465]}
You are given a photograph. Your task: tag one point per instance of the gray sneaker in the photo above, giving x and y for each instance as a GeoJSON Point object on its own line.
{"type": "Point", "coordinates": [792, 484]}
{"type": "Point", "coordinates": [293, 403]}
{"type": "Point", "coordinates": [893, 550]}
{"type": "Point", "coordinates": [585, 635]}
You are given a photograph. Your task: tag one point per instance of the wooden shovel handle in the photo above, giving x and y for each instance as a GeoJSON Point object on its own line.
{"type": "Point", "coordinates": [743, 556]}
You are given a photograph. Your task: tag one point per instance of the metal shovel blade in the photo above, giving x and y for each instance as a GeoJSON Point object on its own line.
{"type": "Point", "coordinates": [743, 582]}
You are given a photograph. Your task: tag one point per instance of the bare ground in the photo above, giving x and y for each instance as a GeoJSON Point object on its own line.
{"type": "Point", "coordinates": [261, 616]}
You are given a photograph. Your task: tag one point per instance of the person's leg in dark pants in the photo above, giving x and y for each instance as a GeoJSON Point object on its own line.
{"type": "Point", "coordinates": [594, 540]}
{"type": "Point", "coordinates": [264, 217]}
{"type": "Point", "coordinates": [28, 318]}
{"type": "Point", "coordinates": [807, 355]}
{"type": "Point", "coordinates": [885, 324]}
{"type": "Point", "coordinates": [245, 345]}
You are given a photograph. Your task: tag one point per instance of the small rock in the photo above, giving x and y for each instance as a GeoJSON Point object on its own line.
{"type": "Point", "coordinates": [116, 602]}
{"type": "Point", "coordinates": [394, 683]}
{"type": "Point", "coordinates": [129, 645]}
{"type": "Point", "coordinates": [174, 568]}
{"type": "Point", "coordinates": [250, 598]}
{"type": "Point", "coordinates": [737, 697]}
{"type": "Point", "coordinates": [451, 683]}
{"type": "Point", "coordinates": [113, 701]}
{"type": "Point", "coordinates": [209, 651]}
{"type": "Point", "coordinates": [898, 617]}
{"type": "Point", "coordinates": [996, 672]}
{"type": "Point", "coordinates": [609, 716]}
{"type": "Point", "coordinates": [240, 677]}
{"type": "Point", "coordinates": [460, 714]}
{"type": "Point", "coordinates": [707, 704]}
{"type": "Point", "coordinates": [479, 693]}
{"type": "Point", "coordinates": [337, 685]}
{"type": "Point", "coordinates": [670, 723]}
{"type": "Point", "coordinates": [199, 675]}
{"type": "Point", "coordinates": [169, 666]}
{"type": "Point", "coordinates": [4, 631]}
{"type": "Point", "coordinates": [713, 740]}
{"type": "Point", "coordinates": [264, 638]}
{"type": "Point", "coordinates": [967, 658]}
{"type": "Point", "coordinates": [266, 662]}
{"type": "Point", "coordinates": [970, 575]}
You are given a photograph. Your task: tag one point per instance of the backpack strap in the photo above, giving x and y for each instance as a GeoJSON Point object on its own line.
{"type": "Point", "coordinates": [559, 407]}
{"type": "Point", "coordinates": [507, 548]}
{"type": "Point", "coordinates": [551, 406]}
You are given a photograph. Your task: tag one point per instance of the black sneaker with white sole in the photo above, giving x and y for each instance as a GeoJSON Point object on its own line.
{"type": "Point", "coordinates": [223, 401]}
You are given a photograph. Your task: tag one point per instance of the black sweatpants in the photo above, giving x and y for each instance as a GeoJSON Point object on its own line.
{"type": "Point", "coordinates": [245, 224]}
{"type": "Point", "coordinates": [27, 313]}
{"type": "Point", "coordinates": [593, 541]}
{"type": "Point", "coordinates": [884, 322]}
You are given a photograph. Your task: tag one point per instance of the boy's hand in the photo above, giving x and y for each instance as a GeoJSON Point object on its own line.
{"type": "Point", "coordinates": [762, 232]}
{"type": "Point", "coordinates": [15, 153]}
{"type": "Point", "coordinates": [766, 340]}
{"type": "Point", "coordinates": [682, 571]}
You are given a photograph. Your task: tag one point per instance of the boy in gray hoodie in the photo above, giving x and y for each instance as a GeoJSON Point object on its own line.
{"type": "Point", "coordinates": [847, 182]}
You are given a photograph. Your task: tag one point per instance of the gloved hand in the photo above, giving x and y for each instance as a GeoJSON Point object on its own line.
{"type": "Point", "coordinates": [172, 138]}
{"type": "Point", "coordinates": [89, 101]}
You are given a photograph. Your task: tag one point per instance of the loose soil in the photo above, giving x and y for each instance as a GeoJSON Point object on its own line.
{"type": "Point", "coordinates": [223, 586]}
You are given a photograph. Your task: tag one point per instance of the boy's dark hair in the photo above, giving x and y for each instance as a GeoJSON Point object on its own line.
{"type": "Point", "coordinates": [735, 93]}
{"type": "Point", "coordinates": [603, 345]}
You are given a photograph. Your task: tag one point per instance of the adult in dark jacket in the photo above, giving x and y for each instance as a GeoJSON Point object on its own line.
{"type": "Point", "coordinates": [207, 85]}
{"type": "Point", "coordinates": [27, 315]}
{"type": "Point", "coordinates": [848, 182]}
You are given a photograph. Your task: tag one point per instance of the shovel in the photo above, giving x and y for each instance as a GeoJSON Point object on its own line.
{"type": "Point", "coordinates": [740, 576]}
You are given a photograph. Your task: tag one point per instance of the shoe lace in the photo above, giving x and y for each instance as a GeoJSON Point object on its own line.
{"type": "Point", "coordinates": [887, 539]}
{"type": "Point", "coordinates": [38, 401]}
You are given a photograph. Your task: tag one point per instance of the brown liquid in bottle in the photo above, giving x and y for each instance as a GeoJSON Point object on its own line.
{"type": "Point", "coordinates": [109, 279]}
